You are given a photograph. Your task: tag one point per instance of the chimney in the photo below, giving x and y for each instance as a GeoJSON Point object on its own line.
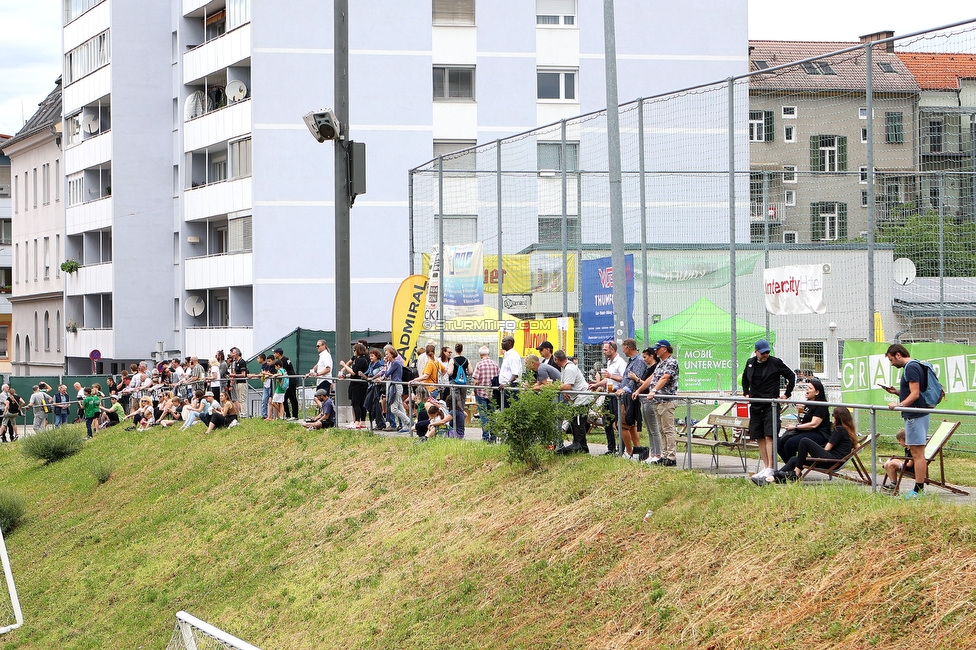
{"type": "Point", "coordinates": [880, 36]}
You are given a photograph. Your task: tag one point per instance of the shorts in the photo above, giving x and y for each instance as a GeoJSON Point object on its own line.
{"type": "Point", "coordinates": [760, 425]}
{"type": "Point", "coordinates": [278, 398]}
{"type": "Point", "coordinates": [916, 430]}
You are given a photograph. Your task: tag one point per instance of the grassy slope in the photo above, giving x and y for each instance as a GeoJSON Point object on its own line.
{"type": "Point", "coordinates": [296, 540]}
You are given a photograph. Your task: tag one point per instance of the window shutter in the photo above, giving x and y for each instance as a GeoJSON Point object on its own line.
{"type": "Point", "coordinates": [815, 154]}
{"type": "Point", "coordinates": [842, 153]}
{"type": "Point", "coordinates": [841, 221]}
{"type": "Point", "coordinates": [768, 125]}
{"type": "Point", "coordinates": [816, 223]}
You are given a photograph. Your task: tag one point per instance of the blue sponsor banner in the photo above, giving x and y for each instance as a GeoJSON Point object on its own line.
{"type": "Point", "coordinates": [596, 311]}
{"type": "Point", "coordinates": [464, 283]}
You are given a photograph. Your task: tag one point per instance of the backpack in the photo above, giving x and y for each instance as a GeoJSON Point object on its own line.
{"type": "Point", "coordinates": [932, 392]}
{"type": "Point", "coordinates": [460, 377]}
{"type": "Point", "coordinates": [408, 374]}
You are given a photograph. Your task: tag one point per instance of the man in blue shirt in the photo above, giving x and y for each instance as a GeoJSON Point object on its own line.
{"type": "Point", "coordinates": [916, 424]}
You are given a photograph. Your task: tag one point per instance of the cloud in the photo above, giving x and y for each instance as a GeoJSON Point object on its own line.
{"type": "Point", "coordinates": [30, 58]}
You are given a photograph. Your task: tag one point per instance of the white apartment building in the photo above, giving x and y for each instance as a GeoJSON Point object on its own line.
{"type": "Point", "coordinates": [201, 210]}
{"type": "Point", "coordinates": [37, 233]}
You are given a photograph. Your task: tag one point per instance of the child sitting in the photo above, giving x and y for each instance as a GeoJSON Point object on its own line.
{"type": "Point", "coordinates": [896, 465]}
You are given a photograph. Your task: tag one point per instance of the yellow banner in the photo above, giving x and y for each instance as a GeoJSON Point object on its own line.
{"type": "Point", "coordinates": [531, 273]}
{"type": "Point", "coordinates": [408, 314]}
{"type": "Point", "coordinates": [530, 333]}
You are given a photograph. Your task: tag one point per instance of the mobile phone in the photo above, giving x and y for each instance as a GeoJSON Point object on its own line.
{"type": "Point", "coordinates": [883, 386]}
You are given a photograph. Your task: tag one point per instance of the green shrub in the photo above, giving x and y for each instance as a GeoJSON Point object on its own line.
{"type": "Point", "coordinates": [53, 444]}
{"type": "Point", "coordinates": [101, 469]}
{"type": "Point", "coordinates": [531, 425]}
{"type": "Point", "coordinates": [12, 509]}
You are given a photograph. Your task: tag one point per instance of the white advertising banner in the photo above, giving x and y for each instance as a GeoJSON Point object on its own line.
{"type": "Point", "coordinates": [794, 290]}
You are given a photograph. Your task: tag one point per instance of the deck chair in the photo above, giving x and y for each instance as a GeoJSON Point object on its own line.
{"type": "Point", "coordinates": [717, 430]}
{"type": "Point", "coordinates": [933, 448]}
{"type": "Point", "coordinates": [832, 466]}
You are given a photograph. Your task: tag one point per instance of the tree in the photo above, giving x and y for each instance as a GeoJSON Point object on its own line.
{"type": "Point", "coordinates": [917, 238]}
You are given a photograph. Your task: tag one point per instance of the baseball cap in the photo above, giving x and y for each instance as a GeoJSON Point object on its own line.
{"type": "Point", "coordinates": [663, 343]}
{"type": "Point", "coordinates": [762, 345]}
{"type": "Point", "coordinates": [545, 345]}
{"type": "Point", "coordinates": [321, 393]}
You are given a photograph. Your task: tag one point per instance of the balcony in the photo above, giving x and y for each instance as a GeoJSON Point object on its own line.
{"type": "Point", "coordinates": [93, 215]}
{"type": "Point", "coordinates": [228, 270]}
{"type": "Point", "coordinates": [90, 152]}
{"type": "Point", "coordinates": [202, 341]}
{"type": "Point", "coordinates": [222, 52]}
{"type": "Point", "coordinates": [217, 199]}
{"type": "Point", "coordinates": [92, 22]}
{"type": "Point", "coordinates": [94, 278]}
{"type": "Point", "coordinates": [231, 121]}
{"type": "Point", "coordinates": [82, 342]}
{"type": "Point", "coordinates": [88, 89]}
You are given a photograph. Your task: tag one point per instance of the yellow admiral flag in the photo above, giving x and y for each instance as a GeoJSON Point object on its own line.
{"type": "Point", "coordinates": [408, 314]}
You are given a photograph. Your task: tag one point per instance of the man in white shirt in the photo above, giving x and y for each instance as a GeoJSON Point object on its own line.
{"type": "Point", "coordinates": [324, 366]}
{"type": "Point", "coordinates": [511, 368]}
{"type": "Point", "coordinates": [573, 379]}
{"type": "Point", "coordinates": [612, 375]}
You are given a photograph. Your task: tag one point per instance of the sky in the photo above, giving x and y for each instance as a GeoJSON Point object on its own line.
{"type": "Point", "coordinates": [30, 48]}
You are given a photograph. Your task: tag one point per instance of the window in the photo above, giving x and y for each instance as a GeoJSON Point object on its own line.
{"type": "Point", "coordinates": [789, 133]}
{"type": "Point", "coordinates": [549, 156]}
{"type": "Point", "coordinates": [453, 84]}
{"type": "Point", "coordinates": [57, 256]}
{"type": "Point", "coordinates": [47, 258]}
{"type": "Point", "coordinates": [864, 198]}
{"type": "Point", "coordinates": [16, 194]}
{"type": "Point", "coordinates": [934, 136]}
{"type": "Point", "coordinates": [789, 173]}
{"type": "Point", "coordinates": [864, 135]}
{"type": "Point", "coordinates": [453, 12]}
{"type": "Point", "coordinates": [551, 230]}
{"type": "Point", "coordinates": [4, 337]}
{"type": "Point", "coordinates": [6, 231]}
{"type": "Point", "coordinates": [72, 129]}
{"type": "Point", "coordinates": [47, 331]}
{"type": "Point", "coordinates": [828, 153]}
{"type": "Point", "coordinates": [935, 196]}
{"type": "Point", "coordinates": [760, 126]}
{"type": "Point", "coordinates": [86, 58]}
{"type": "Point", "coordinates": [556, 84]}
{"type": "Point", "coordinates": [57, 180]}
{"type": "Point", "coordinates": [239, 235]}
{"type": "Point", "coordinates": [555, 12]}
{"type": "Point", "coordinates": [886, 67]}
{"type": "Point", "coordinates": [812, 356]}
{"type": "Point", "coordinates": [789, 197]}
{"type": "Point", "coordinates": [894, 130]}
{"type": "Point", "coordinates": [863, 175]}
{"type": "Point", "coordinates": [457, 161]}
{"type": "Point", "coordinates": [789, 112]}
{"type": "Point", "coordinates": [460, 229]}
{"type": "Point", "coordinates": [817, 67]}
{"type": "Point", "coordinates": [35, 188]}
{"type": "Point", "coordinates": [238, 13]}
{"type": "Point", "coordinates": [789, 236]}
{"type": "Point", "coordinates": [240, 158]}
{"type": "Point", "coordinates": [828, 221]}
{"type": "Point", "coordinates": [57, 330]}
{"type": "Point", "coordinates": [6, 274]}
{"type": "Point", "coordinates": [76, 183]}
{"type": "Point", "coordinates": [74, 8]}
{"type": "Point", "coordinates": [862, 113]}
{"type": "Point", "coordinates": [36, 265]}
{"type": "Point", "coordinates": [218, 168]}
{"type": "Point", "coordinates": [46, 183]}
{"type": "Point", "coordinates": [214, 25]}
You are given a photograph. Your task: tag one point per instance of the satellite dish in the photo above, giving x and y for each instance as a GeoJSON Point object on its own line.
{"type": "Point", "coordinates": [194, 306]}
{"type": "Point", "coordinates": [91, 124]}
{"type": "Point", "coordinates": [193, 107]}
{"type": "Point", "coordinates": [903, 270]}
{"type": "Point", "coordinates": [236, 91]}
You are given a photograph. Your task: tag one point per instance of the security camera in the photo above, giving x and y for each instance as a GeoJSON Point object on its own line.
{"type": "Point", "coordinates": [324, 125]}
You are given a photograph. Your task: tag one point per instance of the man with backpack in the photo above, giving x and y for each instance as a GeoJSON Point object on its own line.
{"type": "Point", "coordinates": [914, 381]}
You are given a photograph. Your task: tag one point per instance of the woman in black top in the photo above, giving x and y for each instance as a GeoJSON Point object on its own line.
{"type": "Point", "coordinates": [841, 443]}
{"type": "Point", "coordinates": [813, 425]}
{"type": "Point", "coordinates": [356, 371]}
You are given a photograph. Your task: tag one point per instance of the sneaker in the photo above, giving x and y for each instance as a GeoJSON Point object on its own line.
{"type": "Point", "coordinates": [888, 489]}
{"type": "Point", "coordinates": [652, 460]}
{"type": "Point", "coordinates": [764, 472]}
{"type": "Point", "coordinates": [668, 462]}
{"type": "Point", "coordinates": [233, 423]}
{"type": "Point", "coordinates": [627, 456]}
{"type": "Point", "coordinates": [913, 495]}
{"type": "Point", "coordinates": [610, 452]}
{"type": "Point", "coordinates": [642, 453]}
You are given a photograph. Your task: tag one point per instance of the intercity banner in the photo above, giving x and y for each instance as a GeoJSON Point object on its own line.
{"type": "Point", "coordinates": [524, 273]}
{"type": "Point", "coordinates": [408, 311]}
{"type": "Point", "coordinates": [432, 271]}
{"type": "Point", "coordinates": [463, 277]}
{"type": "Point", "coordinates": [596, 310]}
{"type": "Point", "coordinates": [792, 290]}
{"type": "Point", "coordinates": [529, 334]}
{"type": "Point", "coordinates": [865, 367]}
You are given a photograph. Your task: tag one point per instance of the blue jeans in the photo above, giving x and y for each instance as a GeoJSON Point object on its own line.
{"type": "Point", "coordinates": [265, 396]}
{"type": "Point", "coordinates": [60, 417]}
{"type": "Point", "coordinates": [484, 408]}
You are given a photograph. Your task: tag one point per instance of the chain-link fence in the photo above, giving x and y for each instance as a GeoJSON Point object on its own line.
{"type": "Point", "coordinates": [846, 156]}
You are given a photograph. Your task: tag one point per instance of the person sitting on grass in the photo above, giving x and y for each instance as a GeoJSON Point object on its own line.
{"type": "Point", "coordinates": [143, 416]}
{"type": "Point", "coordinates": [326, 416]}
{"type": "Point", "coordinates": [841, 443]}
{"type": "Point", "coordinates": [198, 408]}
{"type": "Point", "coordinates": [225, 414]}
{"type": "Point", "coordinates": [439, 416]}
{"type": "Point", "coordinates": [895, 465]}
{"type": "Point", "coordinates": [111, 415]}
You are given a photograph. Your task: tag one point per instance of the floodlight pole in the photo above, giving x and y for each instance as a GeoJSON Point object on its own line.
{"type": "Point", "coordinates": [621, 317]}
{"type": "Point", "coordinates": [342, 199]}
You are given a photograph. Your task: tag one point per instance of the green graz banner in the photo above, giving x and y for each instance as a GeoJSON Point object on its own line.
{"type": "Point", "coordinates": [865, 366]}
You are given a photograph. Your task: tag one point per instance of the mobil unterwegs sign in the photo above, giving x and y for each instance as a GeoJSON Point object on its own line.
{"type": "Point", "coordinates": [793, 290]}
{"type": "Point", "coordinates": [865, 367]}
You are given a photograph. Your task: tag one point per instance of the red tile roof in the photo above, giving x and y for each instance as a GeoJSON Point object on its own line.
{"type": "Point", "coordinates": [939, 71]}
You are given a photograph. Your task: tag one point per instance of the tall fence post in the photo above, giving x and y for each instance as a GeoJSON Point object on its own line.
{"type": "Point", "coordinates": [564, 235]}
{"type": "Point", "coordinates": [942, 315]}
{"type": "Point", "coordinates": [869, 103]}
{"type": "Point", "coordinates": [498, 230]}
{"type": "Point", "coordinates": [643, 212]}
{"type": "Point", "coordinates": [732, 303]}
{"type": "Point", "coordinates": [440, 246]}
